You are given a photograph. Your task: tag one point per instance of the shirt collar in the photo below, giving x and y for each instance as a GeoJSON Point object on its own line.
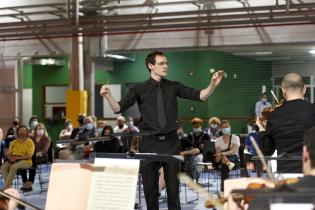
{"type": "Point", "coordinates": [154, 82]}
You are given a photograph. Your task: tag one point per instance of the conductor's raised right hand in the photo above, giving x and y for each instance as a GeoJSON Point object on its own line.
{"type": "Point", "coordinates": [105, 91]}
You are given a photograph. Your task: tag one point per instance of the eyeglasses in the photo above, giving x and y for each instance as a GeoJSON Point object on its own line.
{"type": "Point", "coordinates": [162, 64]}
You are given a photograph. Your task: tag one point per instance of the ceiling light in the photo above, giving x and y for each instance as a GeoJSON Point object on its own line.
{"type": "Point", "coordinates": [118, 57]}
{"type": "Point", "coordinates": [312, 52]}
{"type": "Point", "coordinates": [253, 53]}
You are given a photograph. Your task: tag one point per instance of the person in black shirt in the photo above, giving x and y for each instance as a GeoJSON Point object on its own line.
{"type": "Point", "coordinates": [286, 125]}
{"type": "Point", "coordinates": [164, 139]}
{"type": "Point", "coordinates": [110, 146]}
{"type": "Point", "coordinates": [193, 153]}
{"type": "Point", "coordinates": [293, 192]}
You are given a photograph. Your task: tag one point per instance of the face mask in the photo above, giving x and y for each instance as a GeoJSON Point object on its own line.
{"type": "Point", "coordinates": [89, 126]}
{"type": "Point", "coordinates": [120, 126]}
{"type": "Point", "coordinates": [100, 130]}
{"type": "Point", "coordinates": [40, 132]}
{"type": "Point", "coordinates": [130, 123]}
{"type": "Point", "coordinates": [226, 131]}
{"type": "Point", "coordinates": [214, 126]}
{"type": "Point", "coordinates": [33, 124]}
{"type": "Point", "coordinates": [264, 100]}
{"type": "Point", "coordinates": [70, 127]}
{"type": "Point", "coordinates": [197, 130]}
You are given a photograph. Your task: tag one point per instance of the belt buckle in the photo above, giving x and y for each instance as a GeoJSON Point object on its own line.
{"type": "Point", "coordinates": [161, 138]}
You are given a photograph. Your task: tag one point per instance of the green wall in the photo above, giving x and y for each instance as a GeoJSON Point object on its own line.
{"type": "Point", "coordinates": [43, 76]}
{"type": "Point", "coordinates": [234, 99]}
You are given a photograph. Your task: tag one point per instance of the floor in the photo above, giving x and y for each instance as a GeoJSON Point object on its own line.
{"type": "Point", "coordinates": [190, 200]}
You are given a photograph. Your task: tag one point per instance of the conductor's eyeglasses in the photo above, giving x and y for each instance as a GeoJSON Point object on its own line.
{"type": "Point", "coordinates": [162, 64]}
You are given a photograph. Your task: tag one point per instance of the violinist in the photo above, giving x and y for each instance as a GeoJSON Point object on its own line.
{"type": "Point", "coordinates": [305, 184]}
{"type": "Point", "coordinates": [285, 125]}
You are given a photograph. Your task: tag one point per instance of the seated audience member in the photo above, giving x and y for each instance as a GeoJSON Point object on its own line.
{"type": "Point", "coordinates": [226, 146]}
{"type": "Point", "coordinates": [214, 130]}
{"type": "Point", "coordinates": [11, 133]}
{"type": "Point", "coordinates": [42, 143]}
{"type": "Point", "coordinates": [121, 124]}
{"type": "Point", "coordinates": [193, 153]}
{"type": "Point", "coordinates": [66, 132]}
{"type": "Point", "coordinates": [80, 126]}
{"type": "Point", "coordinates": [251, 151]}
{"type": "Point", "coordinates": [100, 124]}
{"type": "Point", "coordinates": [305, 184]}
{"type": "Point", "coordinates": [134, 147]}
{"type": "Point", "coordinates": [179, 129]}
{"type": "Point", "coordinates": [32, 124]}
{"type": "Point", "coordinates": [110, 145]}
{"type": "Point", "coordinates": [89, 131]}
{"type": "Point", "coordinates": [19, 156]}
{"type": "Point", "coordinates": [131, 128]}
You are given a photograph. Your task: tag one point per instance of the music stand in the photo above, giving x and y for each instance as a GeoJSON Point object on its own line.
{"type": "Point", "coordinates": [139, 156]}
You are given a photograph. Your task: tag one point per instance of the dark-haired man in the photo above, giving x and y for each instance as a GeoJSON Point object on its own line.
{"type": "Point", "coordinates": [157, 101]}
{"type": "Point", "coordinates": [286, 125]}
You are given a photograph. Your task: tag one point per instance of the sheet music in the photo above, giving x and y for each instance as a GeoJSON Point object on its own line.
{"type": "Point", "coordinates": [115, 186]}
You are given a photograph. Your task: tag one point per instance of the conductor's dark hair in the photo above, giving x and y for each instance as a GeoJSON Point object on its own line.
{"type": "Point", "coordinates": [151, 58]}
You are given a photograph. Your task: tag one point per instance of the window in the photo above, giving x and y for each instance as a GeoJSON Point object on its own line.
{"type": "Point", "coordinates": [55, 102]}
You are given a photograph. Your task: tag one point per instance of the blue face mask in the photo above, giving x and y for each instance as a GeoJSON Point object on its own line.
{"type": "Point", "coordinates": [100, 130]}
{"type": "Point", "coordinates": [89, 126]}
{"type": "Point", "coordinates": [226, 131]}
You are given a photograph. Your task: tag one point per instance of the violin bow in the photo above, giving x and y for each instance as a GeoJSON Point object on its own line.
{"type": "Point", "coordinates": [216, 202]}
{"type": "Point", "coordinates": [262, 159]}
{"type": "Point", "coordinates": [274, 96]}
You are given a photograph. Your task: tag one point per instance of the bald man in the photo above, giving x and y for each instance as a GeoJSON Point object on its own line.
{"type": "Point", "coordinates": [286, 125]}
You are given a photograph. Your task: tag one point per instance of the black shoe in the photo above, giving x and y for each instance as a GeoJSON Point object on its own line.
{"type": "Point", "coordinates": [26, 189]}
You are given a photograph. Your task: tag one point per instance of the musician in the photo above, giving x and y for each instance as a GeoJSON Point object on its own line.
{"type": "Point", "coordinates": [157, 101]}
{"type": "Point", "coordinates": [305, 184]}
{"type": "Point", "coordinates": [286, 125]}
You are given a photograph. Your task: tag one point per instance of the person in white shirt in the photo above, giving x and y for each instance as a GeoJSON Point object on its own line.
{"type": "Point", "coordinates": [226, 146]}
{"type": "Point", "coordinates": [121, 124]}
{"type": "Point", "coordinates": [66, 132]}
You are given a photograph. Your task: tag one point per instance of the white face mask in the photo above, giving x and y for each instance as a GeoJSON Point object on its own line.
{"type": "Point", "coordinates": [70, 127]}
{"type": "Point", "coordinates": [34, 123]}
{"type": "Point", "coordinates": [197, 130]}
{"type": "Point", "coordinates": [214, 126]}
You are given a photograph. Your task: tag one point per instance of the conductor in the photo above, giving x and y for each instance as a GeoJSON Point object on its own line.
{"type": "Point", "coordinates": [158, 105]}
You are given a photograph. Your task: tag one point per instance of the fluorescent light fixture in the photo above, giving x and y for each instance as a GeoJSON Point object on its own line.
{"type": "Point", "coordinates": [312, 52]}
{"type": "Point", "coordinates": [253, 53]}
{"type": "Point", "coordinates": [118, 57]}
{"type": "Point", "coordinates": [48, 62]}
